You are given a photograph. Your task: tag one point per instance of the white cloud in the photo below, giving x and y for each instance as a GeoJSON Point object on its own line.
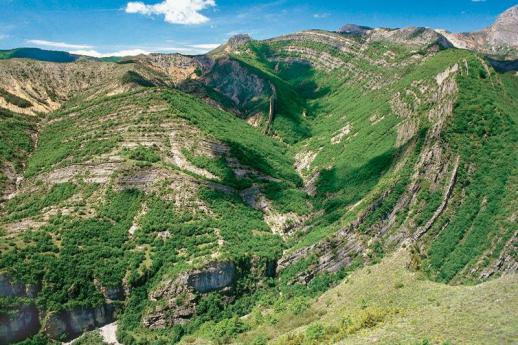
{"type": "Point", "coordinates": [3, 36]}
{"type": "Point", "coordinates": [95, 53]}
{"type": "Point", "coordinates": [478, 0]}
{"type": "Point", "coordinates": [174, 11]}
{"type": "Point", "coordinates": [320, 15]}
{"type": "Point", "coordinates": [60, 45]}
{"type": "Point", "coordinates": [205, 46]}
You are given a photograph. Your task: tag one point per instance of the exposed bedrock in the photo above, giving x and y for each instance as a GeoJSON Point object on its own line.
{"type": "Point", "coordinates": [69, 324]}
{"type": "Point", "coordinates": [11, 288]}
{"type": "Point", "coordinates": [237, 83]}
{"type": "Point", "coordinates": [177, 298]}
{"type": "Point", "coordinates": [180, 294]}
{"type": "Point", "coordinates": [215, 277]}
{"type": "Point", "coordinates": [333, 254]}
{"type": "Point", "coordinates": [19, 324]}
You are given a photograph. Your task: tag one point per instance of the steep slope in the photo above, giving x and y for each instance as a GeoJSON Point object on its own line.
{"type": "Point", "coordinates": [500, 39]}
{"type": "Point", "coordinates": [389, 303]}
{"type": "Point", "coordinates": [178, 194]}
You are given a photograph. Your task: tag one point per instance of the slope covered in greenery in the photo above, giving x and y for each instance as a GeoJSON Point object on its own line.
{"type": "Point", "coordinates": [190, 215]}
{"type": "Point", "coordinates": [38, 54]}
{"type": "Point", "coordinates": [391, 304]}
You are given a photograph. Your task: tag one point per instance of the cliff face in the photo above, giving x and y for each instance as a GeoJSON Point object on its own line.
{"type": "Point", "coordinates": [181, 294]}
{"type": "Point", "coordinates": [499, 40]}
{"type": "Point", "coordinates": [504, 32]}
{"type": "Point", "coordinates": [21, 324]}
{"type": "Point", "coordinates": [213, 278]}
{"type": "Point", "coordinates": [71, 323]}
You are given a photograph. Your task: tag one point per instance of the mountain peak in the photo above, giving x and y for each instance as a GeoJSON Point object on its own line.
{"type": "Point", "coordinates": [354, 29]}
{"type": "Point", "coordinates": [505, 29]}
{"type": "Point", "coordinates": [238, 40]}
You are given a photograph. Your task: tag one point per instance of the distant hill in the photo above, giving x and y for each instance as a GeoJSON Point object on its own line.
{"type": "Point", "coordinates": [38, 54]}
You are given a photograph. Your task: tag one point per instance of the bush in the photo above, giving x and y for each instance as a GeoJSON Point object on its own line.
{"type": "Point", "coordinates": [315, 332]}
{"type": "Point", "coordinates": [260, 340]}
{"type": "Point", "coordinates": [227, 329]}
{"type": "Point", "coordinates": [143, 154]}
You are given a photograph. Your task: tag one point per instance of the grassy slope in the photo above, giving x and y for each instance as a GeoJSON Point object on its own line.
{"type": "Point", "coordinates": [390, 304]}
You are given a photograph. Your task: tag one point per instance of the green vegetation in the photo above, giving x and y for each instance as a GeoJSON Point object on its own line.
{"type": "Point", "coordinates": [251, 147]}
{"type": "Point", "coordinates": [90, 338]}
{"type": "Point", "coordinates": [356, 154]}
{"type": "Point", "coordinates": [69, 253]}
{"type": "Point", "coordinates": [378, 302]}
{"type": "Point", "coordinates": [15, 142]}
{"type": "Point", "coordinates": [38, 54]}
{"type": "Point", "coordinates": [217, 167]}
{"type": "Point", "coordinates": [24, 206]}
{"type": "Point", "coordinates": [484, 132]}
{"type": "Point", "coordinates": [143, 154]}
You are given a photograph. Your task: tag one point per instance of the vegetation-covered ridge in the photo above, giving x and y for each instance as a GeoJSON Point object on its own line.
{"type": "Point", "coordinates": [229, 198]}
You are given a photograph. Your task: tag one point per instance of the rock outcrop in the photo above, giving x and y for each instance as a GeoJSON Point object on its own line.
{"type": "Point", "coordinates": [246, 89]}
{"type": "Point", "coordinates": [333, 254]}
{"type": "Point", "coordinates": [415, 37]}
{"type": "Point", "coordinates": [500, 39]}
{"type": "Point", "coordinates": [19, 324]}
{"type": "Point", "coordinates": [355, 30]}
{"type": "Point", "coordinates": [180, 294]}
{"type": "Point", "coordinates": [69, 324]}
{"type": "Point", "coordinates": [234, 43]}
{"type": "Point", "coordinates": [11, 288]}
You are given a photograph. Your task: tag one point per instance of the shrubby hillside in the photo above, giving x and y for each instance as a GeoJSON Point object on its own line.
{"type": "Point", "coordinates": [319, 187]}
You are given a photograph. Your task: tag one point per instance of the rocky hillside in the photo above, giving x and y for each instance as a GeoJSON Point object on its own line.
{"type": "Point", "coordinates": [225, 198]}
{"type": "Point", "coordinates": [500, 39]}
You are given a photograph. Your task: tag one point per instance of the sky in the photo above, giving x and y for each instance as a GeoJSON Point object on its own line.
{"type": "Point", "coordinates": [123, 27]}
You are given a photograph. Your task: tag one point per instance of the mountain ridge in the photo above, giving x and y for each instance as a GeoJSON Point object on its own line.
{"type": "Point", "coordinates": [200, 199]}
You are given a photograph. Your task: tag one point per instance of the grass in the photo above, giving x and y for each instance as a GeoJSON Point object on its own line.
{"type": "Point", "coordinates": [390, 304]}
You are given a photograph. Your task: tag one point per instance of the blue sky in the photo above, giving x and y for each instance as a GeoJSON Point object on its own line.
{"type": "Point", "coordinates": [195, 26]}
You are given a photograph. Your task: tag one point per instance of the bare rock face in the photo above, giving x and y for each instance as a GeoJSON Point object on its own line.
{"type": "Point", "coordinates": [417, 37]}
{"type": "Point", "coordinates": [244, 88]}
{"type": "Point", "coordinates": [234, 43]}
{"type": "Point", "coordinates": [334, 254]}
{"type": "Point", "coordinates": [215, 277]}
{"type": "Point", "coordinates": [239, 40]}
{"type": "Point", "coordinates": [71, 323]}
{"type": "Point", "coordinates": [505, 30]}
{"type": "Point", "coordinates": [20, 325]}
{"type": "Point", "coordinates": [500, 39]}
{"type": "Point", "coordinates": [180, 295]}
{"type": "Point", "coordinates": [11, 288]}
